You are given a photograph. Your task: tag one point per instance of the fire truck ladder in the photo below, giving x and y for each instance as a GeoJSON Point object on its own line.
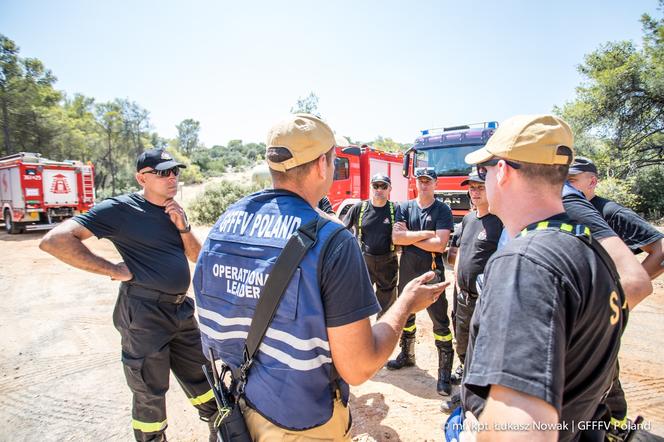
{"type": "Point", "coordinates": [88, 185]}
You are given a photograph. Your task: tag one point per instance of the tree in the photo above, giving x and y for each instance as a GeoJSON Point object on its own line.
{"type": "Point", "coordinates": [188, 131]}
{"type": "Point", "coordinates": [618, 113]}
{"type": "Point", "coordinates": [388, 145]}
{"type": "Point", "coordinates": [307, 105]}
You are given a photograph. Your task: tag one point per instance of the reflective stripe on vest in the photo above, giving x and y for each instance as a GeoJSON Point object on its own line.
{"type": "Point", "coordinates": [291, 379]}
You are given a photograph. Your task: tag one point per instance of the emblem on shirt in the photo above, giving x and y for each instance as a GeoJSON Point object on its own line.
{"type": "Point", "coordinates": [386, 221]}
{"type": "Point", "coordinates": [482, 235]}
{"type": "Point", "coordinates": [166, 156]}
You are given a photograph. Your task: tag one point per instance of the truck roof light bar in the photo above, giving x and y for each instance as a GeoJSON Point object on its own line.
{"type": "Point", "coordinates": [483, 125]}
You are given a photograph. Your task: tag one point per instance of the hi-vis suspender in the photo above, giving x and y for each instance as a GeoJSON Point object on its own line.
{"type": "Point", "coordinates": [359, 221]}
{"type": "Point", "coordinates": [583, 233]}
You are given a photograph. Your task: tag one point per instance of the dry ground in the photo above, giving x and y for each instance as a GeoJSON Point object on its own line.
{"type": "Point", "coordinates": [61, 377]}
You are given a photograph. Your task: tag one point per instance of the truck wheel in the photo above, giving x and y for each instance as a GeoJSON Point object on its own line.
{"type": "Point", "coordinates": [10, 225]}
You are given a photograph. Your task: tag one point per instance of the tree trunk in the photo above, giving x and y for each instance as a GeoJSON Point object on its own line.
{"type": "Point", "coordinates": [5, 123]}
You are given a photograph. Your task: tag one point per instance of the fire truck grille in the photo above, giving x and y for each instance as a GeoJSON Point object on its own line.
{"type": "Point", "coordinates": [456, 201]}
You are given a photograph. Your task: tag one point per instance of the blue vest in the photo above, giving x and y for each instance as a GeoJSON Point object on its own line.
{"type": "Point", "coordinates": [291, 381]}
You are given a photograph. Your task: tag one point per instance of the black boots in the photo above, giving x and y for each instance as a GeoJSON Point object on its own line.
{"type": "Point", "coordinates": [457, 376]}
{"type": "Point", "coordinates": [406, 358]}
{"type": "Point", "coordinates": [445, 360]}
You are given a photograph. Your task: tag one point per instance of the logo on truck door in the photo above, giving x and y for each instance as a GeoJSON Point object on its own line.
{"type": "Point", "coordinates": [60, 184]}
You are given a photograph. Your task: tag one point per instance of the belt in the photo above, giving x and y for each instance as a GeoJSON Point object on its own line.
{"type": "Point", "coordinates": [134, 291]}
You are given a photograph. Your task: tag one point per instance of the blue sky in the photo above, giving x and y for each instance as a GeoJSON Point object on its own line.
{"type": "Point", "coordinates": [387, 68]}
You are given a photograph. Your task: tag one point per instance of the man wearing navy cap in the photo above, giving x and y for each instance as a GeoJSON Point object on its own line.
{"type": "Point", "coordinates": [153, 313]}
{"type": "Point", "coordinates": [372, 221]}
{"type": "Point", "coordinates": [422, 228]}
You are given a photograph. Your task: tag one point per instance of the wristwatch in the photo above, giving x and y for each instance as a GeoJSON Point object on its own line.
{"type": "Point", "coordinates": [186, 229]}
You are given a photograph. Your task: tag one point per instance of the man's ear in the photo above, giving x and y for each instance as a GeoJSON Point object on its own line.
{"type": "Point", "coordinates": [593, 181]}
{"type": "Point", "coordinates": [140, 179]}
{"type": "Point", "coordinates": [322, 166]}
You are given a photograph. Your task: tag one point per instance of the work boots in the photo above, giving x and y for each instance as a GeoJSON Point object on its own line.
{"type": "Point", "coordinates": [457, 376]}
{"type": "Point", "coordinates": [445, 360]}
{"type": "Point", "coordinates": [448, 406]}
{"type": "Point", "coordinates": [406, 358]}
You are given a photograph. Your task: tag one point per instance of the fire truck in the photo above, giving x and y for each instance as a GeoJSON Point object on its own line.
{"type": "Point", "coordinates": [354, 167]}
{"type": "Point", "coordinates": [445, 149]}
{"type": "Point", "coordinates": [37, 193]}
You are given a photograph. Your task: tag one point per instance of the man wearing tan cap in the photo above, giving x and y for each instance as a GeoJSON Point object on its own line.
{"type": "Point", "coordinates": [320, 338]}
{"type": "Point", "coordinates": [545, 336]}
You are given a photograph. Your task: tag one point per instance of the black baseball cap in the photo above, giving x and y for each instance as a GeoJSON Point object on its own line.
{"type": "Point", "coordinates": [380, 178]}
{"type": "Point", "coordinates": [474, 177]}
{"type": "Point", "coordinates": [428, 172]}
{"type": "Point", "coordinates": [157, 159]}
{"type": "Point", "coordinates": [582, 164]}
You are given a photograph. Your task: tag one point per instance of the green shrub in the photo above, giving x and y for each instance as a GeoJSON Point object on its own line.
{"type": "Point", "coordinates": [649, 185]}
{"type": "Point", "coordinates": [216, 198]}
{"type": "Point", "coordinates": [620, 191]}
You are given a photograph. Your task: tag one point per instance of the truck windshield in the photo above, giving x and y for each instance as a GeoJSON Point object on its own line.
{"type": "Point", "coordinates": [447, 160]}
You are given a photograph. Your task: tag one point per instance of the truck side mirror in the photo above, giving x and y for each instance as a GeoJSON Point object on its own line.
{"type": "Point", "coordinates": [406, 165]}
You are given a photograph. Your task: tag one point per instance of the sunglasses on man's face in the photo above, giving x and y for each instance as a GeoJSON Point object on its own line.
{"type": "Point", "coordinates": [481, 168]}
{"type": "Point", "coordinates": [164, 173]}
{"type": "Point", "coordinates": [379, 186]}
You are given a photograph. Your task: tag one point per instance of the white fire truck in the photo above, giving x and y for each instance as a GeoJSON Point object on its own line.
{"type": "Point", "coordinates": [37, 193]}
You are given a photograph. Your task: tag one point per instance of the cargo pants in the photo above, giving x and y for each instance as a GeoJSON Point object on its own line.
{"type": "Point", "coordinates": [157, 337]}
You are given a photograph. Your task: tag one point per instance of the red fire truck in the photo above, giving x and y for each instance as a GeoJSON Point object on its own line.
{"type": "Point", "coordinates": [354, 167]}
{"type": "Point", "coordinates": [37, 193]}
{"type": "Point", "coordinates": [445, 149]}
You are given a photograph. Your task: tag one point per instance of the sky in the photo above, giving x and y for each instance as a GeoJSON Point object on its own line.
{"type": "Point", "coordinates": [380, 68]}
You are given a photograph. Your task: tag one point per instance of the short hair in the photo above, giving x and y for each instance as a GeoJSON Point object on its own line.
{"type": "Point", "coordinates": [549, 174]}
{"type": "Point", "coordinates": [281, 154]}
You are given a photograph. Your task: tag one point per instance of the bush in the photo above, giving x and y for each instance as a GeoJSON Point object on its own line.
{"type": "Point", "coordinates": [620, 191]}
{"type": "Point", "coordinates": [649, 185]}
{"type": "Point", "coordinates": [216, 198]}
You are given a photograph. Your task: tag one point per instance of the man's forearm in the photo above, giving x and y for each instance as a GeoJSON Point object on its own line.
{"type": "Point", "coordinates": [409, 238]}
{"type": "Point", "coordinates": [72, 251]}
{"type": "Point", "coordinates": [633, 278]}
{"type": "Point", "coordinates": [654, 262]}
{"type": "Point", "coordinates": [192, 247]}
{"type": "Point", "coordinates": [431, 245]}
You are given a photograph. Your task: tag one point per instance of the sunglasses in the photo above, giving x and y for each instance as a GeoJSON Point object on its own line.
{"type": "Point", "coordinates": [164, 173]}
{"type": "Point", "coordinates": [378, 186]}
{"type": "Point", "coordinates": [481, 168]}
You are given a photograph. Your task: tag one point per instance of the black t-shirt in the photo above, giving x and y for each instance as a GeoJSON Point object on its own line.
{"type": "Point", "coordinates": [376, 235]}
{"type": "Point", "coordinates": [325, 205]}
{"type": "Point", "coordinates": [145, 237]}
{"type": "Point", "coordinates": [580, 211]}
{"type": "Point", "coordinates": [630, 227]}
{"type": "Point", "coordinates": [438, 216]}
{"type": "Point", "coordinates": [548, 324]}
{"type": "Point", "coordinates": [478, 240]}
{"type": "Point", "coordinates": [350, 297]}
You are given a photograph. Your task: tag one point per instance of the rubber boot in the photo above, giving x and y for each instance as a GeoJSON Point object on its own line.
{"type": "Point", "coordinates": [451, 405]}
{"type": "Point", "coordinates": [457, 376]}
{"type": "Point", "coordinates": [445, 360]}
{"type": "Point", "coordinates": [406, 358]}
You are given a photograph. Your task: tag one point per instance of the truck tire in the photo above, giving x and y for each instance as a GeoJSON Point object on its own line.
{"type": "Point", "coordinates": [10, 226]}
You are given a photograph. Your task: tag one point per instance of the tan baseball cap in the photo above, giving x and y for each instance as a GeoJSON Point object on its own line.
{"type": "Point", "coordinates": [304, 136]}
{"type": "Point", "coordinates": [527, 139]}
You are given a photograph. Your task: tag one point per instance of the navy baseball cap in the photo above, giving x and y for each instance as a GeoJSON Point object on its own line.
{"type": "Point", "coordinates": [428, 172]}
{"type": "Point", "coordinates": [380, 178]}
{"type": "Point", "coordinates": [474, 177]}
{"type": "Point", "coordinates": [157, 159]}
{"type": "Point", "coordinates": [582, 164]}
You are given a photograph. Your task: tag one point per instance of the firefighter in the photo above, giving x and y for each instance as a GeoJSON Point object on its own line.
{"type": "Point", "coordinates": [372, 222]}
{"type": "Point", "coordinates": [546, 331]}
{"type": "Point", "coordinates": [422, 228]}
{"type": "Point", "coordinates": [153, 313]}
{"type": "Point", "coordinates": [639, 236]}
{"type": "Point", "coordinates": [477, 240]}
{"type": "Point", "coordinates": [320, 338]}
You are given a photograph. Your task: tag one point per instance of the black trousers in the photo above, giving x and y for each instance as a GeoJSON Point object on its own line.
{"type": "Point", "coordinates": [465, 306]}
{"type": "Point", "coordinates": [410, 267]}
{"type": "Point", "coordinates": [383, 271]}
{"type": "Point", "coordinates": [616, 400]}
{"type": "Point", "coordinates": [158, 337]}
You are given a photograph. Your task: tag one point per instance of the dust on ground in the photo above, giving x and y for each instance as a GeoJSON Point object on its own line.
{"type": "Point", "coordinates": [61, 377]}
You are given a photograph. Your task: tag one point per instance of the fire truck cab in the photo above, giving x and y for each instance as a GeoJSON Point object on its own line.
{"type": "Point", "coordinates": [37, 193]}
{"type": "Point", "coordinates": [445, 150]}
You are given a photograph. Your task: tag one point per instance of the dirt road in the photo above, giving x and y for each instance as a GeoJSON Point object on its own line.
{"type": "Point", "coordinates": [61, 377]}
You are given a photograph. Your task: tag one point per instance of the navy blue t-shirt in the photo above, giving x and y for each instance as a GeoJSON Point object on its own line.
{"type": "Point", "coordinates": [145, 237]}
{"type": "Point", "coordinates": [438, 216]}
